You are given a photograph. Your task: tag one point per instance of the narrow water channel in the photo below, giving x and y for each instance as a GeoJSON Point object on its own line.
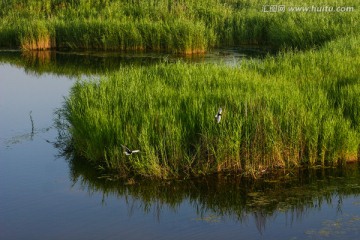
{"type": "Point", "coordinates": [44, 195]}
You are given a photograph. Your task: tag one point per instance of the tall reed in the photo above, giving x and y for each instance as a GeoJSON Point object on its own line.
{"type": "Point", "coordinates": [283, 112]}
{"type": "Point", "coordinates": [174, 26]}
{"type": "Point", "coordinates": [176, 36]}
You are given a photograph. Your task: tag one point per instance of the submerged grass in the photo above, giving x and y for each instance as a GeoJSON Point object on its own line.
{"type": "Point", "coordinates": [186, 26]}
{"type": "Point", "coordinates": [299, 108]}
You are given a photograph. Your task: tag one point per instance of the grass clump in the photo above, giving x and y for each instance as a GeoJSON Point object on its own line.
{"type": "Point", "coordinates": [283, 112]}
{"type": "Point", "coordinates": [178, 36]}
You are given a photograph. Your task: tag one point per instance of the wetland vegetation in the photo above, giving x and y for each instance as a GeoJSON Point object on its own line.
{"type": "Point", "coordinates": [299, 107]}
{"type": "Point", "coordinates": [294, 109]}
{"type": "Point", "coordinates": [279, 157]}
{"type": "Point", "coordinates": [305, 203]}
{"type": "Point", "coordinates": [174, 26]}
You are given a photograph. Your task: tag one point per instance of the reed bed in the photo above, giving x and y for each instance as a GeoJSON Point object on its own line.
{"type": "Point", "coordinates": [186, 26]}
{"type": "Point", "coordinates": [283, 112]}
{"type": "Point", "coordinates": [179, 36]}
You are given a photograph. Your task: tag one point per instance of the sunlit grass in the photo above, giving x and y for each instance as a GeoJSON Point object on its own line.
{"type": "Point", "coordinates": [299, 108]}
{"type": "Point", "coordinates": [173, 26]}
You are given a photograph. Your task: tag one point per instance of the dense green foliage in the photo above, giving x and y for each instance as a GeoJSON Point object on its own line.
{"type": "Point", "coordinates": [179, 26]}
{"type": "Point", "coordinates": [299, 108]}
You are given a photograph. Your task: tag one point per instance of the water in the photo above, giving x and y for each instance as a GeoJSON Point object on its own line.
{"type": "Point", "coordinates": [45, 196]}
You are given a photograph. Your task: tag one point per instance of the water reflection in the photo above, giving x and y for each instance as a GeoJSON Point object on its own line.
{"type": "Point", "coordinates": [233, 197]}
{"type": "Point", "coordinates": [27, 208]}
{"type": "Point", "coordinates": [293, 193]}
{"type": "Point", "coordinates": [88, 63]}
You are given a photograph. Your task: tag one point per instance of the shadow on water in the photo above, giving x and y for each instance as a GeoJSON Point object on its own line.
{"type": "Point", "coordinates": [217, 197]}
{"type": "Point", "coordinates": [293, 193]}
{"type": "Point", "coordinates": [89, 63]}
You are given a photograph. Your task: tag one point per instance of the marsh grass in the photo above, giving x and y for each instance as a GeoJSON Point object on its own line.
{"type": "Point", "coordinates": [179, 36]}
{"type": "Point", "coordinates": [173, 26]}
{"type": "Point", "coordinates": [283, 112]}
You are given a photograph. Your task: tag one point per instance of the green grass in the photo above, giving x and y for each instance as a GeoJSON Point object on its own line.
{"type": "Point", "coordinates": [187, 26]}
{"type": "Point", "coordinates": [299, 108]}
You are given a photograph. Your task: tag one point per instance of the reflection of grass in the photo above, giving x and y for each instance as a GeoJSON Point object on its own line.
{"type": "Point", "coordinates": [20, 138]}
{"type": "Point", "coordinates": [74, 64]}
{"type": "Point", "coordinates": [291, 110]}
{"type": "Point", "coordinates": [223, 197]}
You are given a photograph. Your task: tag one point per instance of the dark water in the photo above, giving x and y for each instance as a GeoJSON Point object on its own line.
{"type": "Point", "coordinates": [79, 63]}
{"type": "Point", "coordinates": [43, 195]}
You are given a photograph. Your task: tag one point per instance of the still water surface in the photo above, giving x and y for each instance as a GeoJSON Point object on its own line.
{"type": "Point", "coordinates": [45, 196]}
